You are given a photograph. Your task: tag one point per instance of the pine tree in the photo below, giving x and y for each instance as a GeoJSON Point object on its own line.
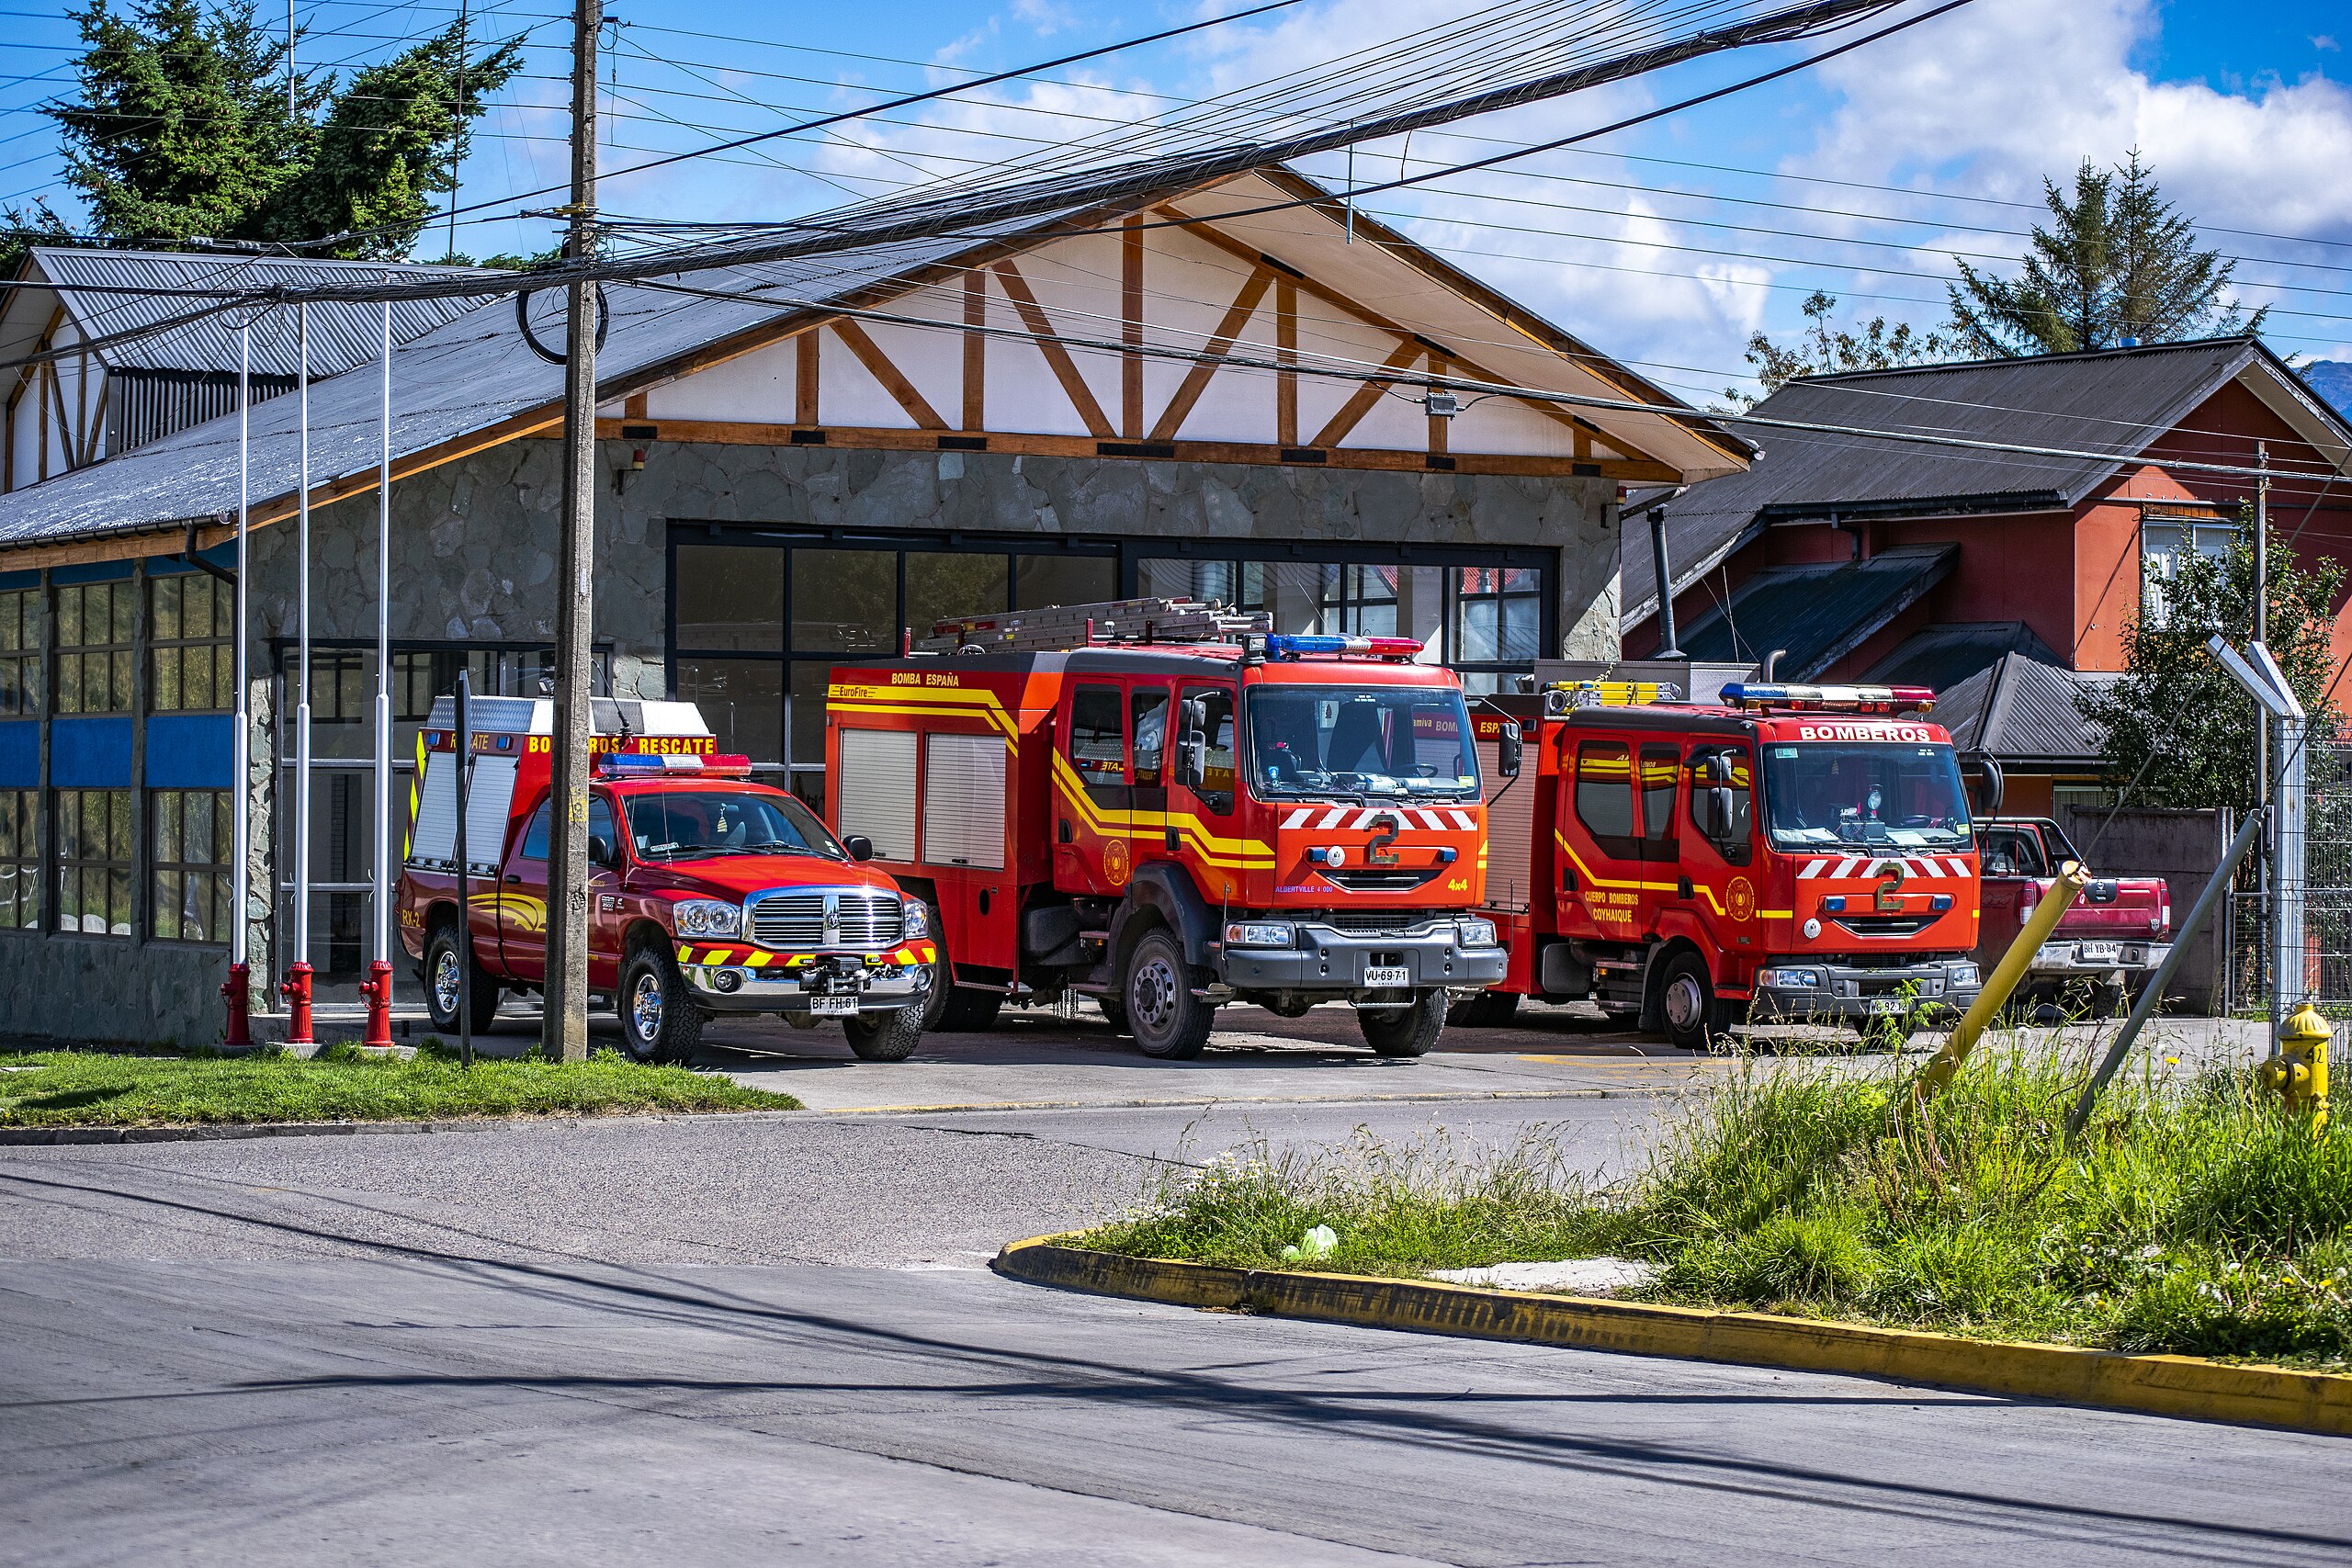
{"type": "Point", "coordinates": [2116, 262]}
{"type": "Point", "coordinates": [181, 130]}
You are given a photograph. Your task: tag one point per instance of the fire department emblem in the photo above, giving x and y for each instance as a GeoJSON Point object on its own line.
{"type": "Point", "coordinates": [1739, 898]}
{"type": "Point", "coordinates": [1115, 864]}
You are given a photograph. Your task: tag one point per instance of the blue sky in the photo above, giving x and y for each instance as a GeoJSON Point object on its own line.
{"type": "Point", "coordinates": [1665, 246]}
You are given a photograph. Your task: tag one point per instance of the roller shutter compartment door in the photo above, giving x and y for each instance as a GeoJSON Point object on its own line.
{"type": "Point", "coordinates": [433, 841]}
{"type": "Point", "coordinates": [963, 801]}
{"type": "Point", "coordinates": [1510, 829]}
{"type": "Point", "coordinates": [877, 790]}
{"type": "Point", "coordinates": [490, 799]}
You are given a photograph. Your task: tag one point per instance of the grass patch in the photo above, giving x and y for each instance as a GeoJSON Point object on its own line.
{"type": "Point", "coordinates": [78, 1089]}
{"type": "Point", "coordinates": [2190, 1218]}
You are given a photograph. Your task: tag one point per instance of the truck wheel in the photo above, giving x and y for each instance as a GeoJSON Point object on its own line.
{"type": "Point", "coordinates": [1408, 1031]}
{"type": "Point", "coordinates": [884, 1036]}
{"type": "Point", "coordinates": [658, 1022]}
{"type": "Point", "coordinates": [1487, 1009]}
{"type": "Point", "coordinates": [443, 954]}
{"type": "Point", "coordinates": [1168, 1020]}
{"type": "Point", "coordinates": [1686, 1004]}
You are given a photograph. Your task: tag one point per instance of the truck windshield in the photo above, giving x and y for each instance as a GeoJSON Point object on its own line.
{"type": "Point", "coordinates": [1411, 740]}
{"type": "Point", "coordinates": [698, 824]}
{"type": "Point", "coordinates": [1871, 794]}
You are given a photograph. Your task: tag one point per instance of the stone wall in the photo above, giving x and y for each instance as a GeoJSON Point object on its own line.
{"type": "Point", "coordinates": [112, 990]}
{"type": "Point", "coordinates": [474, 541]}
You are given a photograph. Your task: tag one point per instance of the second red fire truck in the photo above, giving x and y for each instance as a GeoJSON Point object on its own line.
{"type": "Point", "coordinates": [1165, 808]}
{"type": "Point", "coordinates": [1800, 852]}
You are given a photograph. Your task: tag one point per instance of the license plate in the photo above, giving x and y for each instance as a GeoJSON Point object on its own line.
{"type": "Point", "coordinates": [1886, 1004]}
{"type": "Point", "coordinates": [1388, 976]}
{"type": "Point", "coordinates": [2096, 953]}
{"type": "Point", "coordinates": [832, 1006]}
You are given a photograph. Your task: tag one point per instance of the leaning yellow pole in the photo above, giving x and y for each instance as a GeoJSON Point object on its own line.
{"type": "Point", "coordinates": [2064, 889]}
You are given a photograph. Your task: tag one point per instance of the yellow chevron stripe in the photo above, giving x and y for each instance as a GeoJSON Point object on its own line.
{"type": "Point", "coordinates": [1238, 854]}
{"type": "Point", "coordinates": [924, 702]}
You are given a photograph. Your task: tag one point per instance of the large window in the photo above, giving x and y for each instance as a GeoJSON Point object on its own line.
{"type": "Point", "coordinates": [190, 621]}
{"type": "Point", "coordinates": [192, 829]}
{"type": "Point", "coordinates": [20, 859]}
{"type": "Point", "coordinates": [20, 652]}
{"type": "Point", "coordinates": [758, 627]}
{"type": "Point", "coordinates": [1604, 795]}
{"type": "Point", "coordinates": [94, 648]}
{"type": "Point", "coordinates": [95, 853]}
{"type": "Point", "coordinates": [1486, 621]}
{"type": "Point", "coordinates": [2167, 543]}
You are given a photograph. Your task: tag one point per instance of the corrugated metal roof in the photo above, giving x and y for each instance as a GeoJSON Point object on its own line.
{"type": "Point", "coordinates": [1817, 613]}
{"type": "Point", "coordinates": [2022, 710]}
{"type": "Point", "coordinates": [465, 375]}
{"type": "Point", "coordinates": [1944, 656]}
{"type": "Point", "coordinates": [2118, 400]}
{"type": "Point", "coordinates": [342, 335]}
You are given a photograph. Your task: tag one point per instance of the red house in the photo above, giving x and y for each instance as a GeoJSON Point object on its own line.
{"type": "Point", "coordinates": [1878, 560]}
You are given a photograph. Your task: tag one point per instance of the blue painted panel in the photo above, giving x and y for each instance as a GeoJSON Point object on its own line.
{"type": "Point", "coordinates": [90, 753]}
{"type": "Point", "coordinates": [95, 571]}
{"type": "Point", "coordinates": [223, 555]}
{"type": "Point", "coordinates": [20, 580]}
{"type": "Point", "coordinates": [192, 751]}
{"type": "Point", "coordinates": [20, 754]}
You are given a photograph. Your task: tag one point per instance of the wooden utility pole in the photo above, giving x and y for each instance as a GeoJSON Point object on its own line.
{"type": "Point", "coordinates": [564, 1034]}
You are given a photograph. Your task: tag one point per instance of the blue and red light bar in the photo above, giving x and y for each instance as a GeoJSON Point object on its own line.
{"type": "Point", "coordinates": [1292, 646]}
{"type": "Point", "coordinates": [1828, 699]}
{"type": "Point", "coordinates": [644, 765]}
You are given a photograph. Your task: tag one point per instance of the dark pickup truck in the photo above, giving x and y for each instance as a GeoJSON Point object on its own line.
{"type": "Point", "coordinates": [2111, 942]}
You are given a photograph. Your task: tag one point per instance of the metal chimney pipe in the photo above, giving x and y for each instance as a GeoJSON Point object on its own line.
{"type": "Point", "coordinates": [1668, 647]}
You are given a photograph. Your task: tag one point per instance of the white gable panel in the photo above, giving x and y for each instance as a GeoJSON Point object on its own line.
{"type": "Point", "coordinates": [847, 392]}
{"type": "Point", "coordinates": [1239, 405]}
{"type": "Point", "coordinates": [1023, 393]}
{"type": "Point", "coordinates": [1397, 422]}
{"type": "Point", "coordinates": [930, 358]}
{"type": "Point", "coordinates": [758, 387]}
{"type": "Point", "coordinates": [1507, 425]}
{"type": "Point", "coordinates": [1076, 282]}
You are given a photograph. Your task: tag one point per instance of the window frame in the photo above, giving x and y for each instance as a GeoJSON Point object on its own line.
{"type": "Point", "coordinates": [22, 698]}
{"type": "Point", "coordinates": [1111, 695]}
{"type": "Point", "coordinates": [20, 808]}
{"type": "Point", "coordinates": [222, 642]}
{"type": "Point", "coordinates": [1741, 850]}
{"type": "Point", "coordinates": [82, 865]}
{"type": "Point", "coordinates": [220, 870]}
{"type": "Point", "coordinates": [1626, 844]}
{"type": "Point", "coordinates": [119, 658]}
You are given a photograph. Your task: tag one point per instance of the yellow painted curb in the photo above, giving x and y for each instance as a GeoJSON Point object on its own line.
{"type": "Point", "coordinates": [2163, 1385]}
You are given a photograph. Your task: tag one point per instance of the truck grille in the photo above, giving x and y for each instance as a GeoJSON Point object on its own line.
{"type": "Point", "coordinates": [1886, 925]}
{"type": "Point", "coordinates": [859, 918]}
{"type": "Point", "coordinates": [1403, 880]}
{"type": "Point", "coordinates": [1375, 924]}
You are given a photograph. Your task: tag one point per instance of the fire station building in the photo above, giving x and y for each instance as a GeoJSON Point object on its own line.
{"type": "Point", "coordinates": [796, 461]}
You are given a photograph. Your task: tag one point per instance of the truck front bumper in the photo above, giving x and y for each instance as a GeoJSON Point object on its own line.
{"type": "Point", "coordinates": [1810, 989]}
{"type": "Point", "coordinates": [736, 979]}
{"type": "Point", "coordinates": [2069, 960]}
{"type": "Point", "coordinates": [1324, 958]}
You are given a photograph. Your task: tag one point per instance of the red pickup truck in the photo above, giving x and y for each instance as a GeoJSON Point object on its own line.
{"type": "Point", "coordinates": [2111, 942]}
{"type": "Point", "coordinates": [708, 894]}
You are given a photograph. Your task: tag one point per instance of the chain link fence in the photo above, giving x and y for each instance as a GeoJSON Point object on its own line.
{"type": "Point", "coordinates": [2326, 958]}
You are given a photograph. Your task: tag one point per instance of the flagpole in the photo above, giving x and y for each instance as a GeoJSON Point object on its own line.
{"type": "Point", "coordinates": [379, 988]}
{"type": "Point", "coordinates": [239, 988]}
{"type": "Point", "coordinates": [298, 982]}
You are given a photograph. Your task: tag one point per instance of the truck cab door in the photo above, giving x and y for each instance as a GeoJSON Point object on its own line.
{"type": "Point", "coordinates": [1600, 874]}
{"type": "Point", "coordinates": [523, 899]}
{"type": "Point", "coordinates": [1657, 781]}
{"type": "Point", "coordinates": [607, 912]}
{"type": "Point", "coordinates": [1205, 806]}
{"type": "Point", "coordinates": [2008, 855]}
{"type": "Point", "coordinates": [1719, 851]}
{"type": "Point", "coordinates": [1093, 792]}
{"type": "Point", "coordinates": [1150, 722]}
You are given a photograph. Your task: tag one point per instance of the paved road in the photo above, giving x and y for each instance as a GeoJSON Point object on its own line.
{"type": "Point", "coordinates": [723, 1340]}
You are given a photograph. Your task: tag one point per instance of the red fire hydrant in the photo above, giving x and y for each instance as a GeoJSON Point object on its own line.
{"type": "Point", "coordinates": [238, 991]}
{"type": "Point", "coordinates": [295, 989]}
{"type": "Point", "coordinates": [378, 989]}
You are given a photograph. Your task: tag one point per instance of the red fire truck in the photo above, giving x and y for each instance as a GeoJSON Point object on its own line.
{"type": "Point", "coordinates": [1164, 807]}
{"type": "Point", "coordinates": [1802, 852]}
{"type": "Point", "coordinates": [708, 894]}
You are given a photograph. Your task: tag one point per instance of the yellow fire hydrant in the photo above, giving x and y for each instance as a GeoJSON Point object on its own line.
{"type": "Point", "coordinates": [2299, 1069]}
